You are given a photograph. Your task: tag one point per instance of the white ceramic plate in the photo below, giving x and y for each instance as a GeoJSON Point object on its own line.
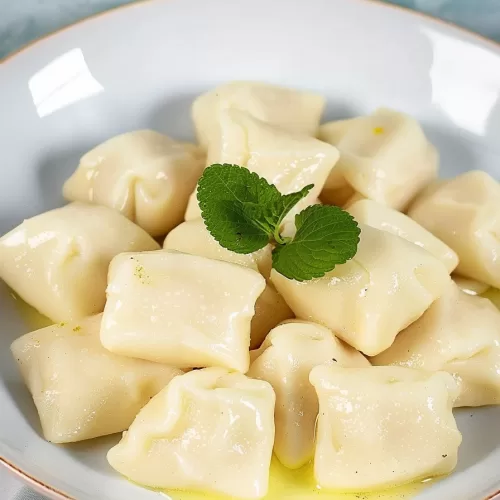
{"type": "Point", "coordinates": [142, 65]}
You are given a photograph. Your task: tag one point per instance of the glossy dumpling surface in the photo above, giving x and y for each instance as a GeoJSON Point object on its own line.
{"type": "Point", "coordinates": [208, 430]}
{"type": "Point", "coordinates": [465, 213]}
{"type": "Point", "coordinates": [385, 157]}
{"type": "Point", "coordinates": [387, 219]}
{"type": "Point", "coordinates": [460, 334]}
{"type": "Point", "coordinates": [180, 309]}
{"type": "Point", "coordinates": [289, 109]}
{"type": "Point", "coordinates": [58, 261]}
{"type": "Point", "coordinates": [290, 161]}
{"type": "Point", "coordinates": [285, 360]}
{"type": "Point", "coordinates": [470, 286]}
{"type": "Point", "coordinates": [367, 301]}
{"type": "Point", "coordinates": [383, 426]}
{"type": "Point", "coordinates": [193, 237]}
{"type": "Point", "coordinates": [80, 389]}
{"type": "Point", "coordinates": [270, 309]}
{"type": "Point", "coordinates": [145, 175]}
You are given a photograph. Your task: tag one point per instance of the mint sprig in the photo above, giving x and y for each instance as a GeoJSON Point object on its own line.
{"type": "Point", "coordinates": [244, 213]}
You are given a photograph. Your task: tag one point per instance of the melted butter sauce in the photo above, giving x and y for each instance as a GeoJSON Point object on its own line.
{"type": "Point", "coordinates": [287, 484]}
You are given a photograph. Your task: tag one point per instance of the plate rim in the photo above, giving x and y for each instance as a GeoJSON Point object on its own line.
{"type": "Point", "coordinates": [494, 44]}
{"type": "Point", "coordinates": [39, 485]}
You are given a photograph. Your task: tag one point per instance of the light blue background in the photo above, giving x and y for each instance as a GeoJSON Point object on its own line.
{"type": "Point", "coordinates": [24, 20]}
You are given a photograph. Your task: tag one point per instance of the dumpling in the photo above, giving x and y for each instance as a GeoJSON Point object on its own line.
{"type": "Point", "coordinates": [289, 109]}
{"type": "Point", "coordinates": [459, 334]}
{"type": "Point", "coordinates": [465, 214]}
{"type": "Point", "coordinates": [180, 309]}
{"type": "Point", "coordinates": [290, 161]}
{"type": "Point", "coordinates": [193, 237]}
{"type": "Point", "coordinates": [285, 360]}
{"type": "Point", "coordinates": [58, 261]}
{"type": "Point", "coordinates": [368, 300]}
{"type": "Point", "coordinates": [145, 175]}
{"type": "Point", "coordinates": [208, 430]}
{"type": "Point", "coordinates": [380, 427]}
{"type": "Point", "coordinates": [385, 157]}
{"type": "Point", "coordinates": [336, 190]}
{"type": "Point", "coordinates": [270, 309]}
{"type": "Point", "coordinates": [80, 389]}
{"type": "Point", "coordinates": [470, 286]}
{"type": "Point", "coordinates": [493, 295]}
{"type": "Point", "coordinates": [352, 200]}
{"type": "Point", "coordinates": [387, 219]}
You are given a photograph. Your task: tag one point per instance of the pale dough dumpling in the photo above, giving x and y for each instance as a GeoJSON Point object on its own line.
{"type": "Point", "coordinates": [465, 214]}
{"type": "Point", "coordinates": [208, 430]}
{"type": "Point", "coordinates": [387, 219]}
{"type": "Point", "coordinates": [58, 261]}
{"type": "Point", "coordinates": [285, 360]}
{"type": "Point", "coordinates": [270, 309]}
{"type": "Point", "coordinates": [336, 190]}
{"type": "Point", "coordinates": [145, 175]}
{"type": "Point", "coordinates": [459, 334]}
{"type": "Point", "coordinates": [289, 161]}
{"type": "Point", "coordinates": [80, 389]}
{"type": "Point", "coordinates": [380, 427]}
{"type": "Point", "coordinates": [292, 110]}
{"type": "Point", "coordinates": [384, 156]}
{"type": "Point", "coordinates": [470, 286]}
{"type": "Point", "coordinates": [193, 237]}
{"type": "Point", "coordinates": [367, 301]}
{"type": "Point", "coordinates": [180, 309]}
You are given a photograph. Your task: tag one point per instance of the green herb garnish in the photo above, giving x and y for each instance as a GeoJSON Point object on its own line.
{"type": "Point", "coordinates": [244, 213]}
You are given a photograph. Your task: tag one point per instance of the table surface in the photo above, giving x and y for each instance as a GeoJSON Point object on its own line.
{"type": "Point", "coordinates": [25, 20]}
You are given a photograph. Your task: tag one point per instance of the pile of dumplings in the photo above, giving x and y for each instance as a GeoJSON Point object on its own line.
{"type": "Point", "coordinates": [210, 361]}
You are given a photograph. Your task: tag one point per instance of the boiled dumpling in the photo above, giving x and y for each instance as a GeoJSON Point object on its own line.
{"type": "Point", "coordinates": [379, 427]}
{"type": "Point", "coordinates": [193, 237]}
{"type": "Point", "coordinates": [465, 214]}
{"type": "Point", "coordinates": [58, 261]}
{"type": "Point", "coordinates": [208, 430]}
{"type": "Point", "coordinates": [80, 389]}
{"type": "Point", "coordinates": [270, 309]}
{"type": "Point", "coordinates": [384, 157]}
{"type": "Point", "coordinates": [387, 219]}
{"type": "Point", "coordinates": [366, 301]}
{"type": "Point", "coordinates": [336, 190]}
{"type": "Point", "coordinates": [353, 199]}
{"type": "Point", "coordinates": [180, 309]}
{"type": "Point", "coordinates": [285, 360]}
{"type": "Point", "coordinates": [459, 334]}
{"type": "Point", "coordinates": [145, 175]}
{"type": "Point", "coordinates": [470, 286]}
{"type": "Point", "coordinates": [289, 109]}
{"type": "Point", "coordinates": [289, 161]}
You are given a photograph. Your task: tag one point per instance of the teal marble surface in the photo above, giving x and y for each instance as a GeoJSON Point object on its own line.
{"type": "Point", "coordinates": [24, 20]}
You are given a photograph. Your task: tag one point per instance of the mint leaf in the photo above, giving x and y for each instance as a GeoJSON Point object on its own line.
{"type": "Point", "coordinates": [287, 202]}
{"type": "Point", "coordinates": [241, 210]}
{"type": "Point", "coordinates": [326, 236]}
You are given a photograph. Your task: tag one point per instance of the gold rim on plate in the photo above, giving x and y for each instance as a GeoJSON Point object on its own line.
{"type": "Point", "coordinates": [39, 485]}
